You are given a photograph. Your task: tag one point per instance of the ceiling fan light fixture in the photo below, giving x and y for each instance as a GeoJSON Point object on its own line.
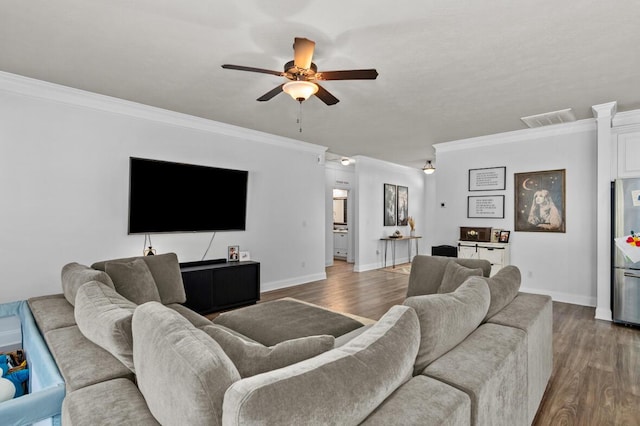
{"type": "Point", "coordinates": [345, 161]}
{"type": "Point", "coordinates": [300, 90]}
{"type": "Point", "coordinates": [428, 168]}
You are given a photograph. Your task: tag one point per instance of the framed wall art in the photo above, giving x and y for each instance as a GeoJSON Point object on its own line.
{"type": "Point", "coordinates": [390, 194]}
{"type": "Point", "coordinates": [488, 179]}
{"type": "Point", "coordinates": [403, 206]}
{"type": "Point", "coordinates": [485, 207]}
{"type": "Point", "coordinates": [540, 201]}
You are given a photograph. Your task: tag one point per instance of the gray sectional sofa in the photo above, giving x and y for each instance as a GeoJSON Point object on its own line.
{"type": "Point", "coordinates": [463, 349]}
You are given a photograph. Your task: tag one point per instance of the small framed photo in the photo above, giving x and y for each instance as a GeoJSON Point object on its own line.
{"type": "Point", "coordinates": [244, 256]}
{"type": "Point", "coordinates": [233, 254]}
{"type": "Point", "coordinates": [504, 236]}
{"type": "Point", "coordinates": [495, 235]}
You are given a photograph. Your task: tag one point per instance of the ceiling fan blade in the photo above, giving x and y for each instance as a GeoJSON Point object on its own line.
{"type": "Point", "coordinates": [252, 69]}
{"type": "Point", "coordinates": [369, 74]}
{"type": "Point", "coordinates": [325, 96]}
{"type": "Point", "coordinates": [270, 94]}
{"type": "Point", "coordinates": [303, 52]}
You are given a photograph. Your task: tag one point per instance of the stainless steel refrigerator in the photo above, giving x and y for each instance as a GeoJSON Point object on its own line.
{"type": "Point", "coordinates": [626, 273]}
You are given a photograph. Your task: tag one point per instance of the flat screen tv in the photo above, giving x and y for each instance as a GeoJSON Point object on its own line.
{"type": "Point", "coordinates": [175, 197]}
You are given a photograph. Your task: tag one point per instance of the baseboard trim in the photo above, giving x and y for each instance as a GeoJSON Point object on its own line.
{"type": "Point", "coordinates": [276, 285]}
{"type": "Point", "coordinates": [372, 266]}
{"type": "Point", "coordinates": [604, 314]}
{"type": "Point", "coordinates": [563, 297]}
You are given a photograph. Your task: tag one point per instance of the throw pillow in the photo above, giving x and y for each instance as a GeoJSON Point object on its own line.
{"type": "Point", "coordinates": [342, 386]}
{"type": "Point", "coordinates": [251, 358]}
{"type": "Point", "coordinates": [504, 287]}
{"type": "Point", "coordinates": [104, 317]}
{"type": "Point", "coordinates": [74, 275]}
{"type": "Point", "coordinates": [447, 319]}
{"type": "Point", "coordinates": [455, 275]}
{"type": "Point", "coordinates": [133, 280]}
{"type": "Point", "coordinates": [181, 371]}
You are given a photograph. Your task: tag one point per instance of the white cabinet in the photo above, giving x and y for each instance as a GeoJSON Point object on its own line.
{"type": "Point", "coordinates": [496, 253]}
{"type": "Point", "coordinates": [629, 155]}
{"type": "Point", "coordinates": [340, 244]}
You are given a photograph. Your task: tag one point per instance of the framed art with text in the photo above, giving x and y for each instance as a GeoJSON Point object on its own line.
{"type": "Point", "coordinates": [485, 207]}
{"type": "Point", "coordinates": [488, 179]}
{"type": "Point", "coordinates": [540, 201]}
{"type": "Point", "coordinates": [390, 193]}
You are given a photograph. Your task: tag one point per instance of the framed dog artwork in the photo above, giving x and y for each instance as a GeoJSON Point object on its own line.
{"type": "Point", "coordinates": [540, 201]}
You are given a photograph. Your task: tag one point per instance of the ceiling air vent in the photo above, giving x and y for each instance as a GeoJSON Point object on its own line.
{"type": "Point", "coordinates": [548, 118]}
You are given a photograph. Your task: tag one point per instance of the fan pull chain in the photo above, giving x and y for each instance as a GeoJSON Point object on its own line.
{"type": "Point", "coordinates": [299, 121]}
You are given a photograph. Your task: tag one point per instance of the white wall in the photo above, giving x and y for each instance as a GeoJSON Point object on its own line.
{"type": "Point", "coordinates": [371, 175]}
{"type": "Point", "coordinates": [64, 185]}
{"type": "Point", "coordinates": [562, 265]}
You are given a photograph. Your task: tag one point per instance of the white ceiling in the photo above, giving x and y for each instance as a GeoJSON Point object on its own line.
{"type": "Point", "coordinates": [447, 70]}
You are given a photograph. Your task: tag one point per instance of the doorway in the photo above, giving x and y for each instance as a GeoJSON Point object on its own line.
{"type": "Point", "coordinates": [342, 226]}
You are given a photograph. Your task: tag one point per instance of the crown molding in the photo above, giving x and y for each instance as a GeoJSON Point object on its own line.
{"type": "Point", "coordinates": [34, 88]}
{"type": "Point", "coordinates": [627, 118]}
{"type": "Point", "coordinates": [586, 125]}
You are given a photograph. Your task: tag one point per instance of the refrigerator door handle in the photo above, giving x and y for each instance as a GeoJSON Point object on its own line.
{"type": "Point", "coordinates": [630, 275]}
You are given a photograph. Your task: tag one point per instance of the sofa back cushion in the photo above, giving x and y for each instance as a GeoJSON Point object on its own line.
{"type": "Point", "coordinates": [447, 319]}
{"type": "Point", "coordinates": [133, 280]}
{"type": "Point", "coordinates": [341, 386]}
{"type": "Point", "coordinates": [104, 317]}
{"type": "Point", "coordinates": [503, 286]}
{"type": "Point", "coordinates": [75, 275]}
{"type": "Point", "coordinates": [427, 272]}
{"type": "Point", "coordinates": [251, 358]}
{"type": "Point", "coordinates": [454, 275]}
{"type": "Point", "coordinates": [165, 270]}
{"type": "Point", "coordinates": [181, 371]}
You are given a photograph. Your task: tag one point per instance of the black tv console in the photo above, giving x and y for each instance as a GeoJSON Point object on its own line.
{"type": "Point", "coordinates": [212, 286]}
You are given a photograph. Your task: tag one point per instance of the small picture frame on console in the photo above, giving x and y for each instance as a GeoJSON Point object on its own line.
{"type": "Point", "coordinates": [233, 254]}
{"type": "Point", "coordinates": [504, 236]}
{"type": "Point", "coordinates": [245, 256]}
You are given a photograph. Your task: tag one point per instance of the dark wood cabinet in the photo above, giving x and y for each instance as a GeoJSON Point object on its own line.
{"type": "Point", "coordinates": [212, 286]}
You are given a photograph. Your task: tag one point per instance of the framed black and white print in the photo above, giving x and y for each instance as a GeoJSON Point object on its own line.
{"type": "Point", "coordinates": [485, 207]}
{"type": "Point", "coordinates": [488, 179]}
{"type": "Point", "coordinates": [403, 206]}
{"type": "Point", "coordinates": [390, 194]}
{"type": "Point", "coordinates": [540, 201]}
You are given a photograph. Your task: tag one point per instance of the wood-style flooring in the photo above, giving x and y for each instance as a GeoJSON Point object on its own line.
{"type": "Point", "coordinates": [596, 372]}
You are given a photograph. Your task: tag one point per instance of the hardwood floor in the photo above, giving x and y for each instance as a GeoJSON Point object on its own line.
{"type": "Point", "coordinates": [596, 372]}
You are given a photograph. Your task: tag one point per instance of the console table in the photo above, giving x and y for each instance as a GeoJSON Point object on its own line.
{"type": "Point", "coordinates": [213, 286]}
{"type": "Point", "coordinates": [393, 247]}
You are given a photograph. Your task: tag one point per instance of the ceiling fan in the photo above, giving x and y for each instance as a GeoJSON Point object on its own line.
{"type": "Point", "coordinates": [304, 75]}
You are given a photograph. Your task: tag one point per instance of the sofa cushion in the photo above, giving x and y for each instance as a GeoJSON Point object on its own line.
{"type": "Point", "coordinates": [104, 317]}
{"type": "Point", "coordinates": [454, 275]}
{"type": "Point", "coordinates": [181, 371]}
{"type": "Point", "coordinates": [447, 319]}
{"type": "Point", "coordinates": [341, 386]}
{"type": "Point", "coordinates": [133, 280]}
{"type": "Point", "coordinates": [503, 286]}
{"type": "Point", "coordinates": [74, 275]}
{"type": "Point", "coordinates": [427, 272]}
{"type": "Point", "coordinates": [120, 403]}
{"type": "Point", "coordinates": [165, 270]}
{"type": "Point", "coordinates": [194, 318]}
{"type": "Point", "coordinates": [252, 358]}
{"type": "Point", "coordinates": [80, 361]}
{"type": "Point", "coordinates": [423, 401]}
{"type": "Point", "coordinates": [490, 366]}
{"type": "Point", "coordinates": [532, 313]}
{"type": "Point", "coordinates": [51, 312]}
